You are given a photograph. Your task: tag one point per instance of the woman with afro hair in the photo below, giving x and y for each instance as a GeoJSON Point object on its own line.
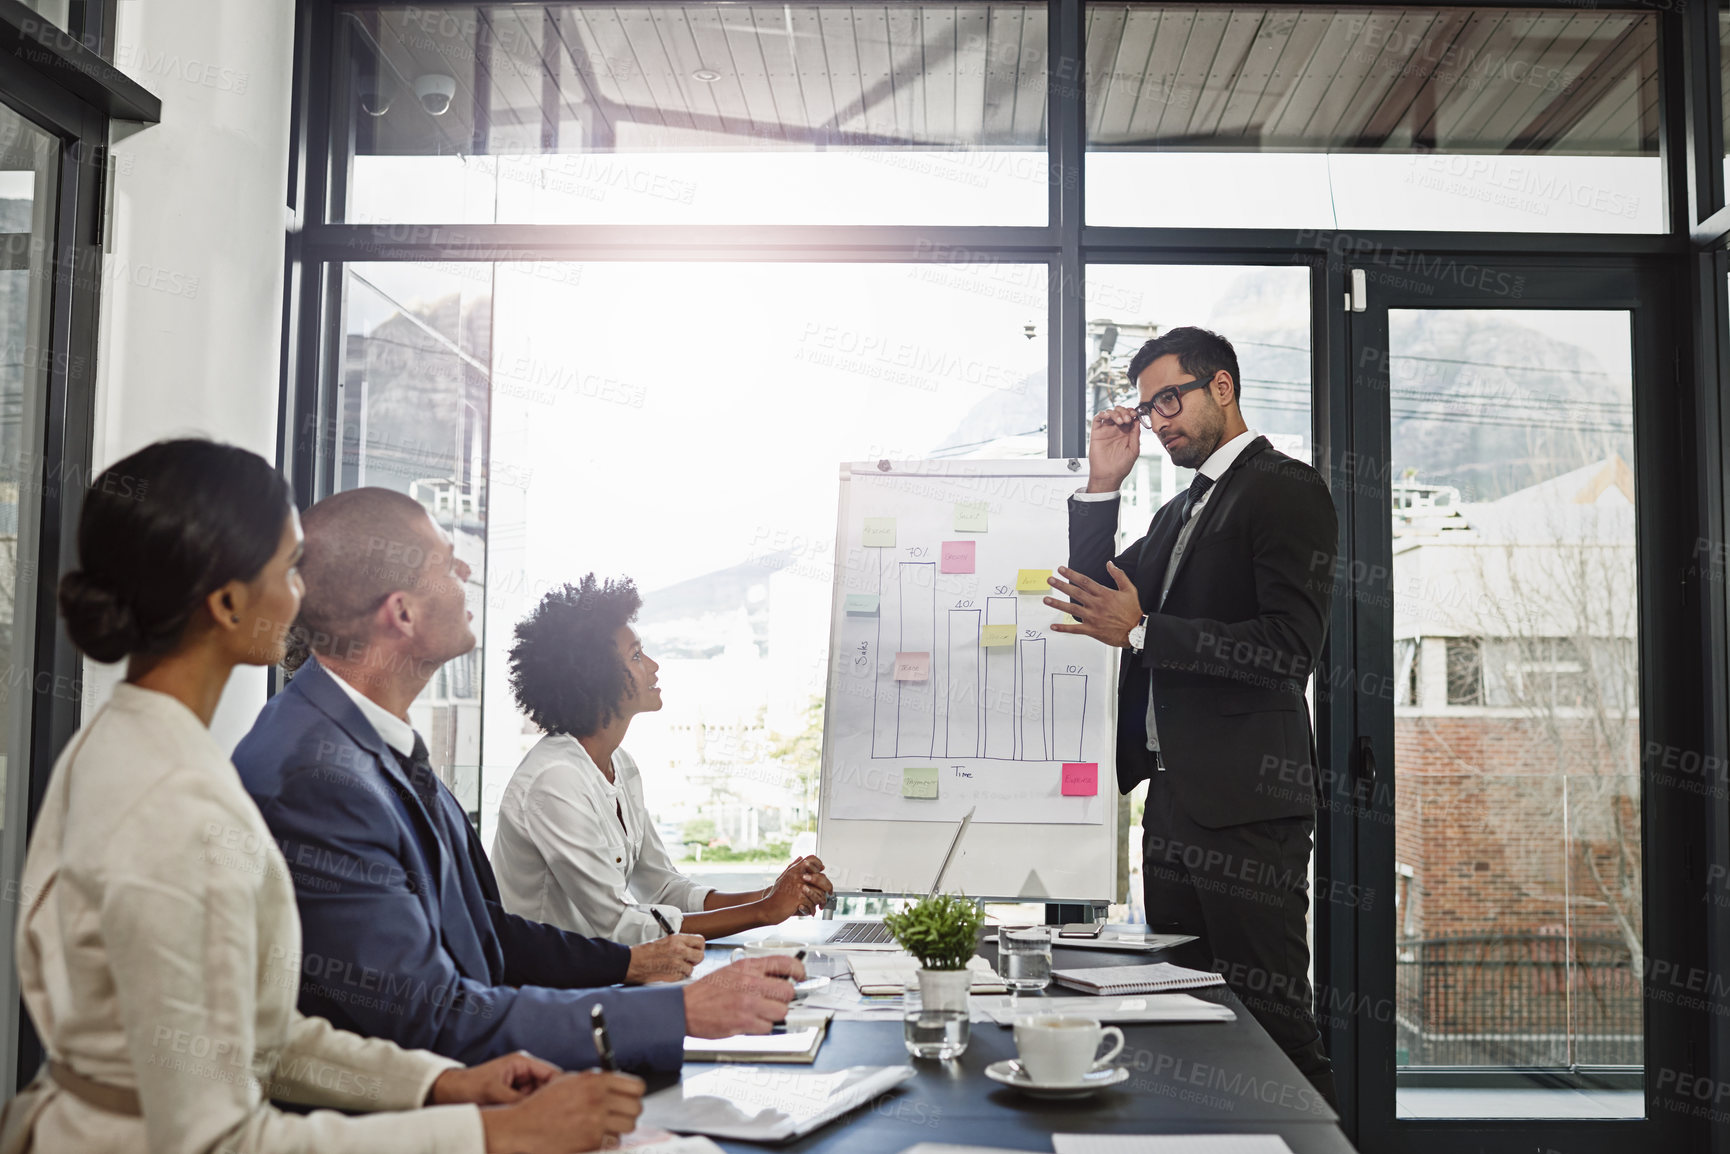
{"type": "Point", "coordinates": [575, 846]}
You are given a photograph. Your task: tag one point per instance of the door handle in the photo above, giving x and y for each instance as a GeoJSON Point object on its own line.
{"type": "Point", "coordinates": [1366, 764]}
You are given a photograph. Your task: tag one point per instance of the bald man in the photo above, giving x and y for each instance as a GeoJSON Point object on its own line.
{"type": "Point", "coordinates": [403, 936]}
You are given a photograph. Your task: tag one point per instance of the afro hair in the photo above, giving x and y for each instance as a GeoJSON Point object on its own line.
{"type": "Point", "coordinates": [566, 674]}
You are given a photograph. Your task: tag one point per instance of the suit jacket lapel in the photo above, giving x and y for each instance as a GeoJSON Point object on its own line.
{"type": "Point", "coordinates": [1156, 554]}
{"type": "Point", "coordinates": [319, 686]}
{"type": "Point", "coordinates": [1204, 516]}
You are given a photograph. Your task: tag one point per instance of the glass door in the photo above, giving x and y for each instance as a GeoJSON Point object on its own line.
{"type": "Point", "coordinates": [1503, 514]}
{"type": "Point", "coordinates": [30, 167]}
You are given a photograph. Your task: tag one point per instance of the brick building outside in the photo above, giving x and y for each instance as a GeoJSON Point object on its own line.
{"type": "Point", "coordinates": [1517, 836]}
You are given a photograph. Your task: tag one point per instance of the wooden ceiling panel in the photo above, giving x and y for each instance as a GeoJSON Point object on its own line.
{"type": "Point", "coordinates": [975, 75]}
{"type": "Point", "coordinates": [1125, 68]}
{"type": "Point", "coordinates": [1031, 78]}
{"type": "Point", "coordinates": [1154, 85]}
{"type": "Point", "coordinates": [1177, 99]}
{"type": "Point", "coordinates": [1208, 103]}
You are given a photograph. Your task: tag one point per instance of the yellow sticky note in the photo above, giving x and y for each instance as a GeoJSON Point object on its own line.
{"type": "Point", "coordinates": [919, 781]}
{"type": "Point", "coordinates": [879, 533]}
{"type": "Point", "coordinates": [1032, 581]}
{"type": "Point", "coordinates": [971, 517]}
{"type": "Point", "coordinates": [994, 635]}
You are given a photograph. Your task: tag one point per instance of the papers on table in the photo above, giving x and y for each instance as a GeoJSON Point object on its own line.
{"type": "Point", "coordinates": [754, 1104]}
{"type": "Point", "coordinates": [847, 1004]}
{"type": "Point", "coordinates": [794, 1046]}
{"type": "Point", "coordinates": [1149, 979]}
{"type": "Point", "coordinates": [1113, 940]}
{"type": "Point", "coordinates": [661, 1142]}
{"type": "Point", "coordinates": [1153, 1008]}
{"type": "Point", "coordinates": [1169, 1144]}
{"type": "Point", "coordinates": [893, 973]}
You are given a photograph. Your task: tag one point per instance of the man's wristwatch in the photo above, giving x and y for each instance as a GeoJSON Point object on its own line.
{"type": "Point", "coordinates": [1138, 635]}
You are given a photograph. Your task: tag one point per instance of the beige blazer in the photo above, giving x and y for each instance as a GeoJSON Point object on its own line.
{"type": "Point", "coordinates": [158, 951]}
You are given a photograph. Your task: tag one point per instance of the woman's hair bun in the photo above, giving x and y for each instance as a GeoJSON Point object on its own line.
{"type": "Point", "coordinates": [162, 530]}
{"type": "Point", "coordinates": [98, 621]}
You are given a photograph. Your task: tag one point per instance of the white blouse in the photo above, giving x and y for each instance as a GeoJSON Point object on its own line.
{"type": "Point", "coordinates": [563, 857]}
{"type": "Point", "coordinates": [159, 951]}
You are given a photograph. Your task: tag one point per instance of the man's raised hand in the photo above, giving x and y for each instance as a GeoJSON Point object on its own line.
{"type": "Point", "coordinates": [1113, 447]}
{"type": "Point", "coordinates": [1105, 613]}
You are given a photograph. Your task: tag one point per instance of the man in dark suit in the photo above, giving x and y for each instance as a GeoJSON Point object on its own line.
{"type": "Point", "coordinates": [403, 936]}
{"type": "Point", "coordinates": [1220, 611]}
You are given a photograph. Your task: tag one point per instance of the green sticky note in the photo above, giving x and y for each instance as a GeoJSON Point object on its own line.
{"type": "Point", "coordinates": [1032, 581]}
{"type": "Point", "coordinates": [879, 533]}
{"type": "Point", "coordinates": [919, 781]}
{"type": "Point", "coordinates": [994, 635]}
{"type": "Point", "coordinates": [861, 604]}
{"type": "Point", "coordinates": [971, 517]}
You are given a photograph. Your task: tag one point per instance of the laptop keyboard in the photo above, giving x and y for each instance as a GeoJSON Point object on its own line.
{"type": "Point", "coordinates": [861, 934]}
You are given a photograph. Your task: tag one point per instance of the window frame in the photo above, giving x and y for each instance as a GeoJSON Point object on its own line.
{"type": "Point", "coordinates": [67, 89]}
{"type": "Point", "coordinates": [1687, 261]}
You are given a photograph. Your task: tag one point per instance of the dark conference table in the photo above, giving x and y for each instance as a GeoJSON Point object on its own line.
{"type": "Point", "coordinates": [1203, 1077]}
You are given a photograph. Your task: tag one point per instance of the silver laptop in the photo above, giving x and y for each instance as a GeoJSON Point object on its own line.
{"type": "Point", "coordinates": [875, 933]}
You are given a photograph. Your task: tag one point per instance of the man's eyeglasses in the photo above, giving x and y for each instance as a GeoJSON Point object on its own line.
{"type": "Point", "coordinates": [1167, 402]}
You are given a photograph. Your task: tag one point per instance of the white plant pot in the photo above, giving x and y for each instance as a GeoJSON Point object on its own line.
{"type": "Point", "coordinates": [944, 989]}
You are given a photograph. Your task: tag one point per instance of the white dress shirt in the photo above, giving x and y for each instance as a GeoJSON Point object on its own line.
{"type": "Point", "coordinates": [159, 951]}
{"type": "Point", "coordinates": [1213, 468]}
{"type": "Point", "coordinates": [563, 855]}
{"type": "Point", "coordinates": [397, 733]}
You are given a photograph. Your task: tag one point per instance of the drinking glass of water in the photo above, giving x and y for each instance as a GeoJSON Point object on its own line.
{"type": "Point", "coordinates": [934, 1033]}
{"type": "Point", "coordinates": [1024, 955]}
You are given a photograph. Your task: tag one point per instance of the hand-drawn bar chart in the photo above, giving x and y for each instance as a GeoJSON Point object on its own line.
{"type": "Point", "coordinates": [996, 702]}
{"type": "Point", "coordinates": [949, 688]}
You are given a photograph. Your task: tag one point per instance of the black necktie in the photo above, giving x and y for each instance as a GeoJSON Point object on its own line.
{"type": "Point", "coordinates": [418, 767]}
{"type": "Point", "coordinates": [1197, 489]}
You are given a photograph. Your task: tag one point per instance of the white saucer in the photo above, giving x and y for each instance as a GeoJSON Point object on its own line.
{"type": "Point", "coordinates": [1010, 1073]}
{"type": "Point", "coordinates": [808, 986]}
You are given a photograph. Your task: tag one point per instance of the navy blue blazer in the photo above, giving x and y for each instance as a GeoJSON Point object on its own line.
{"type": "Point", "coordinates": [411, 945]}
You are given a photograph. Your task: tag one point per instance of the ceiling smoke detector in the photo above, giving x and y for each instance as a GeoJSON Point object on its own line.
{"type": "Point", "coordinates": [706, 75]}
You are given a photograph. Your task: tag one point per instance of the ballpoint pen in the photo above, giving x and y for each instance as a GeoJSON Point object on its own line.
{"type": "Point", "coordinates": [661, 920]}
{"type": "Point", "coordinates": [603, 1043]}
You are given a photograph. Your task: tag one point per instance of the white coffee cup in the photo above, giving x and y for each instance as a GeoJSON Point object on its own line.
{"type": "Point", "coordinates": [770, 948]}
{"type": "Point", "coordinates": [1059, 1050]}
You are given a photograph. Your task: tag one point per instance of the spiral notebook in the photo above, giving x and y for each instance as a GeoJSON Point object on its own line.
{"type": "Point", "coordinates": [1152, 979]}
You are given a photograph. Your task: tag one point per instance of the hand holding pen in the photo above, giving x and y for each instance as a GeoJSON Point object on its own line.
{"type": "Point", "coordinates": [603, 1041]}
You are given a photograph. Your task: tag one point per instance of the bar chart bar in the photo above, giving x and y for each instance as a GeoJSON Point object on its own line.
{"type": "Point", "coordinates": [886, 690]}
{"type": "Point", "coordinates": [916, 705]}
{"type": "Point", "coordinates": [963, 672]}
{"type": "Point", "coordinates": [1068, 715]}
{"type": "Point", "coordinates": [999, 697]}
{"type": "Point", "coordinates": [1030, 710]}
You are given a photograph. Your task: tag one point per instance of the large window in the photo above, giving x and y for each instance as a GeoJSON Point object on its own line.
{"type": "Point", "coordinates": [693, 445]}
{"type": "Point", "coordinates": [608, 287]}
{"type": "Point", "coordinates": [1506, 119]}
{"type": "Point", "coordinates": [1521, 938]}
{"type": "Point", "coordinates": [693, 114]}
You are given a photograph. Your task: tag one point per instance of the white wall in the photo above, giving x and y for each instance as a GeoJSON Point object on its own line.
{"type": "Point", "coordinates": [191, 326]}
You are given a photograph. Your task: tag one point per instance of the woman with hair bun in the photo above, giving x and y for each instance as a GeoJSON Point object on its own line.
{"type": "Point", "coordinates": [158, 945]}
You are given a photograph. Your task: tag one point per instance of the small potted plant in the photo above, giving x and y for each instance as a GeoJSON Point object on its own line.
{"type": "Point", "coordinates": [941, 931]}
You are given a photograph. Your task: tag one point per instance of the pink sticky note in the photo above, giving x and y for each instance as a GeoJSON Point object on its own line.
{"type": "Point", "coordinates": [914, 667]}
{"type": "Point", "coordinates": [957, 557]}
{"type": "Point", "coordinates": [1081, 779]}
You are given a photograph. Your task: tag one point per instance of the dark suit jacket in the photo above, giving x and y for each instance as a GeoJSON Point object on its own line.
{"type": "Point", "coordinates": [402, 933]}
{"type": "Point", "coordinates": [1229, 654]}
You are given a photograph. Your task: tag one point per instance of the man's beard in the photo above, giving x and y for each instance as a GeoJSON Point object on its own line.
{"type": "Point", "coordinates": [1193, 454]}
